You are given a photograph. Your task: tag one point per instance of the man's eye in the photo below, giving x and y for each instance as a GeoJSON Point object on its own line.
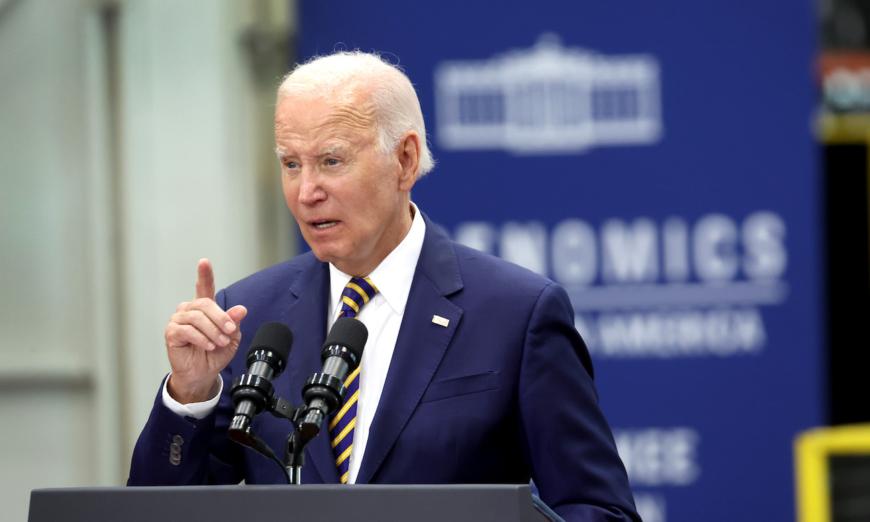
{"type": "Point", "coordinates": [291, 165]}
{"type": "Point", "coordinates": [331, 162]}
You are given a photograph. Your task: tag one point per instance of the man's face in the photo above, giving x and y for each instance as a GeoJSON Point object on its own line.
{"type": "Point", "coordinates": [350, 199]}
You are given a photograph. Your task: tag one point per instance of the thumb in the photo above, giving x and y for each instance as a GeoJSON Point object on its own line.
{"type": "Point", "coordinates": [237, 313]}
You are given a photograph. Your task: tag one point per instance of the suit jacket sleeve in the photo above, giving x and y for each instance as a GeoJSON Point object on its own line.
{"type": "Point", "coordinates": [571, 449]}
{"type": "Point", "coordinates": [204, 453]}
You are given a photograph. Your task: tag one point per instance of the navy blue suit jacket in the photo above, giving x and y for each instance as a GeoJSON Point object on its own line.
{"type": "Point", "coordinates": [504, 393]}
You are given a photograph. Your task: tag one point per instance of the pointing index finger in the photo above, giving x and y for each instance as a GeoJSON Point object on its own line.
{"type": "Point", "coordinates": [204, 279]}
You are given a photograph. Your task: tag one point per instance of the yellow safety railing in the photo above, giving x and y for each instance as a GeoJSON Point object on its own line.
{"type": "Point", "coordinates": [813, 450]}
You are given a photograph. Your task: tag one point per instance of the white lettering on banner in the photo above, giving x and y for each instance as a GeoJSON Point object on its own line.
{"type": "Point", "coordinates": [764, 236]}
{"type": "Point", "coordinates": [656, 457]}
{"type": "Point", "coordinates": [714, 240]}
{"type": "Point", "coordinates": [659, 456]}
{"type": "Point", "coordinates": [651, 508]}
{"type": "Point", "coordinates": [675, 234]}
{"type": "Point", "coordinates": [520, 242]}
{"type": "Point", "coordinates": [575, 251]}
{"type": "Point", "coordinates": [643, 289]}
{"type": "Point", "coordinates": [548, 99]}
{"type": "Point", "coordinates": [719, 332]}
{"type": "Point", "coordinates": [629, 251]}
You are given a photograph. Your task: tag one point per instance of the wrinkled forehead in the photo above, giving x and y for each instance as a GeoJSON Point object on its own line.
{"type": "Point", "coordinates": [321, 113]}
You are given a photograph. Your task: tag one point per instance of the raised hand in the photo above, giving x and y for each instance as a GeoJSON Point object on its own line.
{"type": "Point", "coordinates": [201, 339]}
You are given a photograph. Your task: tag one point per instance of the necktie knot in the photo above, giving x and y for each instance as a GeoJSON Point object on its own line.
{"type": "Point", "coordinates": [356, 293]}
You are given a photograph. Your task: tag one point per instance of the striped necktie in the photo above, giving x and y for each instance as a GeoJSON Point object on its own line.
{"type": "Point", "coordinates": [357, 293]}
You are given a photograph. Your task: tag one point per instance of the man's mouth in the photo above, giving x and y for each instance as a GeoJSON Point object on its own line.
{"type": "Point", "coordinates": [323, 224]}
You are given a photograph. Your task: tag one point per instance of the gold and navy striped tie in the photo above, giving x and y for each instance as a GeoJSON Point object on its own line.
{"type": "Point", "coordinates": [357, 293]}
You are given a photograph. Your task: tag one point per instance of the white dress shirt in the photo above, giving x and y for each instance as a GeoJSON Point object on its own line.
{"type": "Point", "coordinates": [382, 316]}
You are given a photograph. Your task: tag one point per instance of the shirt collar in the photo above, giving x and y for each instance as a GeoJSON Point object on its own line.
{"type": "Point", "coordinates": [394, 275]}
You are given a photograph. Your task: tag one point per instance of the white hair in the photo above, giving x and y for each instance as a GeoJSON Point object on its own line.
{"type": "Point", "coordinates": [343, 74]}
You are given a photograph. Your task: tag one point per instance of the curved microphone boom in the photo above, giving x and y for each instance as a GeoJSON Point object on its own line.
{"type": "Point", "coordinates": [252, 391]}
{"type": "Point", "coordinates": [324, 392]}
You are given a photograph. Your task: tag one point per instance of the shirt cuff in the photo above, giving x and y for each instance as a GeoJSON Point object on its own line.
{"type": "Point", "coordinates": [197, 410]}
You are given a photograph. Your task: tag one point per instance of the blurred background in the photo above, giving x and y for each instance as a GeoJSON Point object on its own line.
{"type": "Point", "coordinates": [707, 210]}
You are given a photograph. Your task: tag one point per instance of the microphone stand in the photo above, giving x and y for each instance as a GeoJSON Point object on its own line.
{"type": "Point", "coordinates": [301, 435]}
{"type": "Point", "coordinates": [294, 458]}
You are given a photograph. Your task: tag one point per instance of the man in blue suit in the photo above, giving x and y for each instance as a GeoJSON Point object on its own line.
{"type": "Point", "coordinates": [472, 372]}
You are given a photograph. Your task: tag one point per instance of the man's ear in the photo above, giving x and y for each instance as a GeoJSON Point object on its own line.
{"type": "Point", "coordinates": [408, 153]}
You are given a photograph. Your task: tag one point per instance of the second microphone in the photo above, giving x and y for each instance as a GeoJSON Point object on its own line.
{"type": "Point", "coordinates": [324, 392]}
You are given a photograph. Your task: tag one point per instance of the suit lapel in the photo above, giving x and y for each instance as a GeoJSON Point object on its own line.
{"type": "Point", "coordinates": [419, 348]}
{"type": "Point", "coordinates": [306, 317]}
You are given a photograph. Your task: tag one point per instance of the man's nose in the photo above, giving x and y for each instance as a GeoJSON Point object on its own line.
{"type": "Point", "coordinates": [311, 190]}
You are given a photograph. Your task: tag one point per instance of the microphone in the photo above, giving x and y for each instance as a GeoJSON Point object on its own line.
{"type": "Point", "coordinates": [324, 392]}
{"type": "Point", "coordinates": [252, 391]}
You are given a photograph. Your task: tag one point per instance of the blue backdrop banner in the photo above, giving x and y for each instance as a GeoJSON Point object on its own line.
{"type": "Point", "coordinates": [655, 159]}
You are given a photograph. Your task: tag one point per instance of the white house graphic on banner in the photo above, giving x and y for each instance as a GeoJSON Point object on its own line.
{"type": "Point", "coordinates": [548, 99]}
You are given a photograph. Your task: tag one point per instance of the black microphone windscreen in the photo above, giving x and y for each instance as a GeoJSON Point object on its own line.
{"type": "Point", "coordinates": [348, 332]}
{"type": "Point", "coordinates": [273, 336]}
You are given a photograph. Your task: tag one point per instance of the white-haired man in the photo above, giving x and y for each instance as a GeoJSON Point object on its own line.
{"type": "Point", "coordinates": [472, 372]}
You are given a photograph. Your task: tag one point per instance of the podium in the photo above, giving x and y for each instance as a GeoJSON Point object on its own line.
{"type": "Point", "coordinates": [309, 503]}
